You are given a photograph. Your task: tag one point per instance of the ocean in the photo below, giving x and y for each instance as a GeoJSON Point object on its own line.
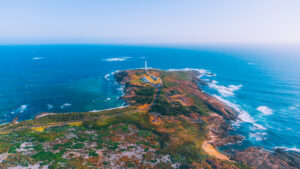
{"type": "Point", "coordinates": [261, 83]}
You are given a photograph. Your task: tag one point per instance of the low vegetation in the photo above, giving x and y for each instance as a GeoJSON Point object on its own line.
{"type": "Point", "coordinates": [161, 134]}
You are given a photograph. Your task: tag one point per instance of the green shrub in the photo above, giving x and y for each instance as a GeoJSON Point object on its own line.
{"type": "Point", "coordinates": [78, 146]}
{"type": "Point", "coordinates": [4, 147]}
{"type": "Point", "coordinates": [93, 154]}
{"type": "Point", "coordinates": [144, 133]}
{"type": "Point", "coordinates": [187, 153]}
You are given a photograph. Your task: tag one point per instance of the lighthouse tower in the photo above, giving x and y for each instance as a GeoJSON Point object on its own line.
{"type": "Point", "coordinates": [146, 67]}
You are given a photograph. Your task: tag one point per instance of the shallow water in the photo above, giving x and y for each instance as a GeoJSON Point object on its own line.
{"type": "Point", "coordinates": [261, 83]}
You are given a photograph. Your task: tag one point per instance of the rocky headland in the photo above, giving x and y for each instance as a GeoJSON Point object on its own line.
{"type": "Point", "coordinates": [169, 123]}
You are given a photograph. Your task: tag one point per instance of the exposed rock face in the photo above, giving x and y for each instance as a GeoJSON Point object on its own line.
{"type": "Point", "coordinates": [122, 77]}
{"type": "Point", "coordinates": [258, 158]}
{"type": "Point", "coordinates": [291, 158]}
{"type": "Point", "coordinates": [218, 131]}
{"type": "Point", "coordinates": [217, 106]}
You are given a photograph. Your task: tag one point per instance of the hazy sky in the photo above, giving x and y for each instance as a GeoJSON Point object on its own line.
{"type": "Point", "coordinates": [150, 21]}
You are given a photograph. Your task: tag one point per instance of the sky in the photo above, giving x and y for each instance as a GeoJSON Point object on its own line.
{"type": "Point", "coordinates": [150, 21]}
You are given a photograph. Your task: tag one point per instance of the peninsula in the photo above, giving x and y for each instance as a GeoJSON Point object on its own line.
{"type": "Point", "coordinates": [169, 123]}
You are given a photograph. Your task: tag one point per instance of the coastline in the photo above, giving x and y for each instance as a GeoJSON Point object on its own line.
{"type": "Point", "coordinates": [199, 74]}
{"type": "Point", "coordinates": [219, 120]}
{"type": "Point", "coordinates": [218, 135]}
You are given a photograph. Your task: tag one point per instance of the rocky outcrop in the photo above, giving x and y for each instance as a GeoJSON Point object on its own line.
{"type": "Point", "coordinates": [218, 119]}
{"type": "Point", "coordinates": [218, 131]}
{"type": "Point", "coordinates": [214, 104]}
{"type": "Point", "coordinates": [261, 159]}
{"type": "Point", "coordinates": [122, 77]}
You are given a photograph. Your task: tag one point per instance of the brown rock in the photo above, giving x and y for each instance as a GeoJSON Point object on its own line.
{"type": "Point", "coordinates": [261, 159]}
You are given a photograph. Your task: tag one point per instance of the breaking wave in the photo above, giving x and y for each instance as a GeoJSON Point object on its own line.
{"type": "Point", "coordinates": [120, 59]}
{"type": "Point", "coordinates": [65, 105]}
{"type": "Point", "coordinates": [202, 72]}
{"type": "Point", "coordinates": [50, 106]}
{"type": "Point", "coordinates": [289, 149]}
{"type": "Point", "coordinates": [265, 110]}
{"type": "Point", "coordinates": [107, 76]}
{"type": "Point", "coordinates": [226, 91]}
{"type": "Point", "coordinates": [258, 136]}
{"type": "Point", "coordinates": [21, 109]}
{"type": "Point", "coordinates": [243, 116]}
{"type": "Point", "coordinates": [223, 90]}
{"type": "Point", "coordinates": [37, 58]}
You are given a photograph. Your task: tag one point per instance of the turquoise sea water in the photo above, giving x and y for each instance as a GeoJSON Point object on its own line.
{"type": "Point", "coordinates": [261, 83]}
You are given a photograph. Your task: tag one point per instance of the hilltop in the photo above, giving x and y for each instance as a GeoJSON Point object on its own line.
{"type": "Point", "coordinates": [169, 123]}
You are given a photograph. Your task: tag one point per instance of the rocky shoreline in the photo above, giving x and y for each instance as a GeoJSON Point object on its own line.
{"type": "Point", "coordinates": [175, 124]}
{"type": "Point", "coordinates": [255, 157]}
{"type": "Point", "coordinates": [220, 119]}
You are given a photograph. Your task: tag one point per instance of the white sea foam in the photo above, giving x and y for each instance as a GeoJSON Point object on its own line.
{"type": "Point", "coordinates": [209, 74]}
{"type": "Point", "coordinates": [121, 89]}
{"type": "Point", "coordinates": [114, 72]}
{"type": "Point", "coordinates": [243, 116]}
{"type": "Point", "coordinates": [223, 90]}
{"type": "Point", "coordinates": [50, 106]}
{"type": "Point", "coordinates": [22, 108]}
{"type": "Point", "coordinates": [37, 58]}
{"type": "Point", "coordinates": [294, 107]}
{"type": "Point", "coordinates": [257, 127]}
{"type": "Point", "coordinates": [289, 149]}
{"type": "Point", "coordinates": [65, 105]}
{"type": "Point", "coordinates": [108, 98]}
{"type": "Point", "coordinates": [202, 72]}
{"type": "Point", "coordinates": [106, 76]}
{"type": "Point", "coordinates": [119, 59]}
{"type": "Point", "coordinates": [265, 110]}
{"type": "Point", "coordinates": [258, 136]}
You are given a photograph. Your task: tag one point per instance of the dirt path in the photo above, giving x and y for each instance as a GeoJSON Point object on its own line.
{"type": "Point", "coordinates": [209, 149]}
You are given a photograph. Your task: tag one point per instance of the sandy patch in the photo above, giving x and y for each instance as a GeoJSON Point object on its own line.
{"type": "Point", "coordinates": [209, 149]}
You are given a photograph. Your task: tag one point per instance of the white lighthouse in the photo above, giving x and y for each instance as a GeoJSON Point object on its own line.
{"type": "Point", "coordinates": [146, 67]}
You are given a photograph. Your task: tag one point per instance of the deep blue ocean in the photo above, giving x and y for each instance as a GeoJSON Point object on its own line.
{"type": "Point", "coordinates": [261, 83]}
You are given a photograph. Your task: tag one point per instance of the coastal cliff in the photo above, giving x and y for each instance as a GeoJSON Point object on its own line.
{"type": "Point", "coordinates": [169, 122]}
